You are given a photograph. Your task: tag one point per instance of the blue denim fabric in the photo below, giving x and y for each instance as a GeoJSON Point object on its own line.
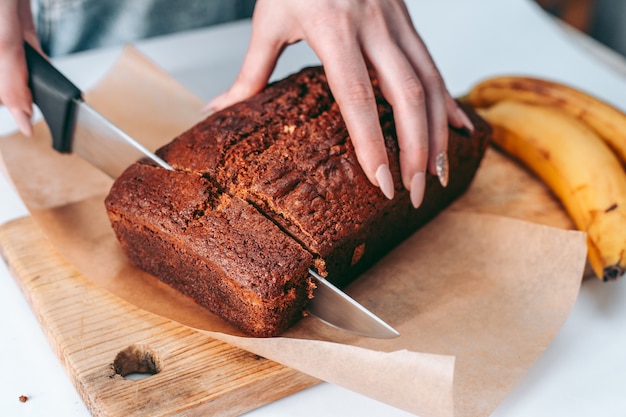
{"type": "Point", "coordinates": [67, 26]}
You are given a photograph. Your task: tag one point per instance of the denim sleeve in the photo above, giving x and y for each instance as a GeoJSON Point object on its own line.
{"type": "Point", "coordinates": [67, 26]}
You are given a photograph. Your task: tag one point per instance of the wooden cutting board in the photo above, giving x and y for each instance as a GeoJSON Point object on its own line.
{"type": "Point", "coordinates": [88, 327]}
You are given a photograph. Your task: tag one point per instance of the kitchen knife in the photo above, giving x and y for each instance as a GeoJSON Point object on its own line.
{"type": "Point", "coordinates": [334, 307]}
{"type": "Point", "coordinates": [76, 127]}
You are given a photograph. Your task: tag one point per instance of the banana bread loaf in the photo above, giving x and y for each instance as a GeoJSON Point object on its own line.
{"type": "Point", "coordinates": [266, 188]}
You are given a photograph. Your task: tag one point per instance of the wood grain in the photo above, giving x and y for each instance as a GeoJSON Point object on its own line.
{"type": "Point", "coordinates": [88, 327]}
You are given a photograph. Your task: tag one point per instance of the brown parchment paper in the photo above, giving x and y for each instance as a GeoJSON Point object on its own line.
{"type": "Point", "coordinates": [476, 297]}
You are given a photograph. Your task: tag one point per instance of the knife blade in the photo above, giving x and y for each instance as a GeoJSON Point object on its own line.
{"type": "Point", "coordinates": [77, 127]}
{"type": "Point", "coordinates": [336, 308]}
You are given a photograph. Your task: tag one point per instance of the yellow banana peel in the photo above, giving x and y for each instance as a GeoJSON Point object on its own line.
{"type": "Point", "coordinates": [606, 120]}
{"type": "Point", "coordinates": [579, 167]}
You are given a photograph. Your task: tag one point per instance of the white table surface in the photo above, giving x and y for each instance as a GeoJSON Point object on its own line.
{"type": "Point", "coordinates": [582, 373]}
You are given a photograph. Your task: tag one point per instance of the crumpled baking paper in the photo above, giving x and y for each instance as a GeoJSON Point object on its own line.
{"type": "Point", "coordinates": [476, 297]}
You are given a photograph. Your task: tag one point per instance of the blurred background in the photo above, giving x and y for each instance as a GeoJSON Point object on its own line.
{"type": "Point", "coordinates": [604, 20]}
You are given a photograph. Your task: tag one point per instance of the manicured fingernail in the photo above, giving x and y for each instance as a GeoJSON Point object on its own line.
{"type": "Point", "coordinates": [442, 168]}
{"type": "Point", "coordinates": [467, 123]}
{"type": "Point", "coordinates": [23, 122]}
{"type": "Point", "coordinates": [418, 185]}
{"type": "Point", "coordinates": [213, 105]}
{"type": "Point", "coordinates": [208, 109]}
{"type": "Point", "coordinates": [385, 181]}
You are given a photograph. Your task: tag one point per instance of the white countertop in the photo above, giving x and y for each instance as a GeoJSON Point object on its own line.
{"type": "Point", "coordinates": [582, 373]}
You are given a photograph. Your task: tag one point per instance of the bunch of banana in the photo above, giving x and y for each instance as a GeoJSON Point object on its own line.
{"type": "Point", "coordinates": [574, 143]}
{"type": "Point", "coordinates": [607, 121]}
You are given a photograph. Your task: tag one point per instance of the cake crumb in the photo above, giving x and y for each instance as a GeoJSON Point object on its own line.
{"type": "Point", "coordinates": [358, 254]}
{"type": "Point", "coordinates": [23, 398]}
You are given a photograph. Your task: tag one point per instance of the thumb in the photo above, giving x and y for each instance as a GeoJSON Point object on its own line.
{"type": "Point", "coordinates": [257, 67]}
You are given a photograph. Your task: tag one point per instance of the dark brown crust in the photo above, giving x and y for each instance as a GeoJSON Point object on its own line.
{"type": "Point", "coordinates": [287, 153]}
{"type": "Point", "coordinates": [216, 249]}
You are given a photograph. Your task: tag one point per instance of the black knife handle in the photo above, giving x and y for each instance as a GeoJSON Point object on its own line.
{"type": "Point", "coordinates": [54, 95]}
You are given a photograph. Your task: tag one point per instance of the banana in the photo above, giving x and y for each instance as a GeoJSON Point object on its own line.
{"type": "Point", "coordinates": [607, 121]}
{"type": "Point", "coordinates": [578, 166]}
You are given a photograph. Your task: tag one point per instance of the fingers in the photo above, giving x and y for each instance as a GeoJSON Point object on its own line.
{"type": "Point", "coordinates": [350, 83]}
{"type": "Point", "coordinates": [435, 94]}
{"type": "Point", "coordinates": [407, 95]}
{"type": "Point", "coordinates": [456, 115]}
{"type": "Point", "coordinates": [415, 49]}
{"type": "Point", "coordinates": [344, 35]}
{"type": "Point", "coordinates": [14, 91]}
{"type": "Point", "coordinates": [413, 86]}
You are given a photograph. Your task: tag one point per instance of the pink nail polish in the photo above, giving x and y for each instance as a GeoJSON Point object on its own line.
{"type": "Point", "coordinates": [23, 122]}
{"type": "Point", "coordinates": [213, 105]}
{"type": "Point", "coordinates": [467, 123]}
{"type": "Point", "coordinates": [385, 181]}
{"type": "Point", "coordinates": [418, 185]}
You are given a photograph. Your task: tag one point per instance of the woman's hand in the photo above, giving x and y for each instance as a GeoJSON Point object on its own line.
{"type": "Point", "coordinates": [348, 35]}
{"type": "Point", "coordinates": [16, 25]}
